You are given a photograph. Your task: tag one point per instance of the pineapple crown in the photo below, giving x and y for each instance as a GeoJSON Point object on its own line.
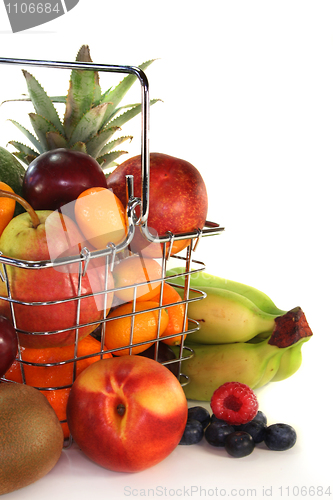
{"type": "Point", "coordinates": [90, 120]}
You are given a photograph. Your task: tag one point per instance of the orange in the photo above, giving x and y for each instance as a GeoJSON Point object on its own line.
{"type": "Point", "coordinates": [7, 207]}
{"type": "Point", "coordinates": [101, 217]}
{"type": "Point", "coordinates": [136, 270]}
{"type": "Point", "coordinates": [55, 376]}
{"type": "Point", "coordinates": [145, 328]}
{"type": "Point", "coordinates": [176, 314]}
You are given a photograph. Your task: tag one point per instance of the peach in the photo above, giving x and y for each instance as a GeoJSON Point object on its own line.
{"type": "Point", "coordinates": [127, 414]}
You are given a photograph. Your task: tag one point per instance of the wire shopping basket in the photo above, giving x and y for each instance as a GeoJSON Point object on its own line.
{"type": "Point", "coordinates": [81, 263]}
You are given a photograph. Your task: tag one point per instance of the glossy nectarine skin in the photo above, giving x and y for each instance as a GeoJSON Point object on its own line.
{"type": "Point", "coordinates": [178, 199]}
{"type": "Point", "coordinates": [127, 414]}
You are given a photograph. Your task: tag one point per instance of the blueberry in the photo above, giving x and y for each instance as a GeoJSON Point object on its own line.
{"type": "Point", "coordinates": [256, 429]}
{"type": "Point", "coordinates": [280, 437]}
{"type": "Point", "coordinates": [199, 413]}
{"type": "Point", "coordinates": [193, 432]}
{"type": "Point", "coordinates": [260, 417]}
{"type": "Point", "coordinates": [216, 433]}
{"type": "Point", "coordinates": [239, 444]}
{"type": "Point", "coordinates": [214, 418]}
{"type": "Point", "coordinates": [238, 427]}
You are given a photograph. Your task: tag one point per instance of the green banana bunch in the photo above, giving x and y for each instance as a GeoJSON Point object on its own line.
{"type": "Point", "coordinates": [231, 311]}
{"type": "Point", "coordinates": [199, 279]}
{"type": "Point", "coordinates": [243, 336]}
{"type": "Point", "coordinates": [226, 316]}
{"type": "Point", "coordinates": [252, 363]}
{"type": "Point", "coordinates": [290, 362]}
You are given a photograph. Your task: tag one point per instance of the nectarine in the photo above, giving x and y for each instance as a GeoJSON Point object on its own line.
{"type": "Point", "coordinates": [127, 413]}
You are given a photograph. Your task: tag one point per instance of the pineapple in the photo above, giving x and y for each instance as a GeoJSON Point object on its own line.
{"type": "Point", "coordinates": [90, 120]}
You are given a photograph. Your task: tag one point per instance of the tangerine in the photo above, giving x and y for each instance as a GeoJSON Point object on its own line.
{"type": "Point", "coordinates": [101, 217]}
{"type": "Point", "coordinates": [58, 375]}
{"type": "Point", "coordinates": [7, 207]}
{"type": "Point", "coordinates": [176, 314]}
{"type": "Point", "coordinates": [146, 326]}
{"type": "Point", "coordinates": [140, 271]}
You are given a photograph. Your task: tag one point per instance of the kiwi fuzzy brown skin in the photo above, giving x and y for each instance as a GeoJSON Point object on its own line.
{"type": "Point", "coordinates": [31, 436]}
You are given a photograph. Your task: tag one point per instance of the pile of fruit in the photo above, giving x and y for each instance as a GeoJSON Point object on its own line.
{"type": "Point", "coordinates": [236, 424]}
{"type": "Point", "coordinates": [85, 301]}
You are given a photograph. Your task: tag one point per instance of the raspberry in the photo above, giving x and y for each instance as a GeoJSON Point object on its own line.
{"type": "Point", "coordinates": [235, 403]}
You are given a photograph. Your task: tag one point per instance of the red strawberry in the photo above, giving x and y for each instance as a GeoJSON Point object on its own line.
{"type": "Point", "coordinates": [235, 403]}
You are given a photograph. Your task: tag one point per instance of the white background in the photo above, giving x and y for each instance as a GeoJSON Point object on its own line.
{"type": "Point", "coordinates": [247, 90]}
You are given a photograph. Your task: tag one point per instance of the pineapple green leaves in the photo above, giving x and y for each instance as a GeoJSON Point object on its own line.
{"type": "Point", "coordinates": [90, 121]}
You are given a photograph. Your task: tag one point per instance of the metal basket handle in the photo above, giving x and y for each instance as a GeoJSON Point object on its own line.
{"type": "Point", "coordinates": [144, 209]}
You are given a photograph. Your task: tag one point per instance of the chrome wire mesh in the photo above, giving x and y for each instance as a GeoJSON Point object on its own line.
{"type": "Point", "coordinates": [111, 253]}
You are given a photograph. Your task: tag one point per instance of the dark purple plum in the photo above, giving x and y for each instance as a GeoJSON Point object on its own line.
{"type": "Point", "coordinates": [8, 345]}
{"type": "Point", "coordinates": [58, 177]}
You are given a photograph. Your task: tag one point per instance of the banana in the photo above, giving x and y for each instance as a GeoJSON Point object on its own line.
{"type": "Point", "coordinates": [290, 362]}
{"type": "Point", "coordinates": [226, 317]}
{"type": "Point", "coordinates": [199, 279]}
{"type": "Point", "coordinates": [213, 365]}
{"type": "Point", "coordinates": [231, 311]}
{"type": "Point", "coordinates": [243, 336]}
{"type": "Point", "coordinates": [253, 364]}
{"type": "Point", "coordinates": [272, 367]}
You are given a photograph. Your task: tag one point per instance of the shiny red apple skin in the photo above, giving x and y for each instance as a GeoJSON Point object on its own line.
{"type": "Point", "coordinates": [153, 419]}
{"type": "Point", "coordinates": [8, 345]}
{"type": "Point", "coordinates": [58, 177]}
{"type": "Point", "coordinates": [178, 200]}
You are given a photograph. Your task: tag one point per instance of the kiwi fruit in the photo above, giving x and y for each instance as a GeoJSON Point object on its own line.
{"type": "Point", "coordinates": [31, 436]}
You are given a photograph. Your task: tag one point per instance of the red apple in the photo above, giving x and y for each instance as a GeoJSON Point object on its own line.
{"type": "Point", "coordinates": [177, 200]}
{"type": "Point", "coordinates": [127, 413]}
{"type": "Point", "coordinates": [55, 236]}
